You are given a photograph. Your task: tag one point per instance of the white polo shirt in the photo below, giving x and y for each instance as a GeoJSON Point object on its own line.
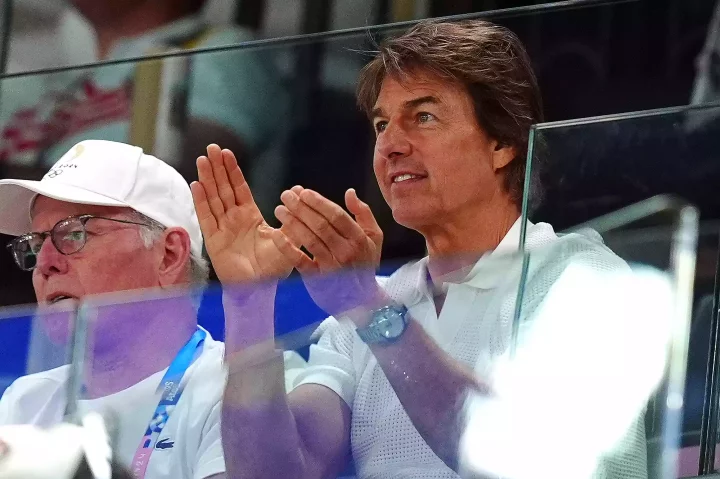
{"type": "Point", "coordinates": [192, 447]}
{"type": "Point", "coordinates": [474, 328]}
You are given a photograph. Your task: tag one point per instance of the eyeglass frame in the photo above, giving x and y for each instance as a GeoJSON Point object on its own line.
{"type": "Point", "coordinates": [49, 233]}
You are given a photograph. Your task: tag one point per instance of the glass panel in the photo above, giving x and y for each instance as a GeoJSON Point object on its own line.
{"type": "Point", "coordinates": [31, 341]}
{"type": "Point", "coordinates": [594, 385]}
{"type": "Point", "coordinates": [324, 144]}
{"type": "Point", "coordinates": [593, 166]}
{"type": "Point", "coordinates": [549, 406]}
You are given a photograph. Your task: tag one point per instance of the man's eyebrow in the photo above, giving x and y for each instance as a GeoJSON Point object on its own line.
{"type": "Point", "coordinates": [408, 105]}
{"type": "Point", "coordinates": [412, 104]}
{"type": "Point", "coordinates": [376, 112]}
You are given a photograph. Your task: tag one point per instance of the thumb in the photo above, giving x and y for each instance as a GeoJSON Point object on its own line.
{"type": "Point", "coordinates": [364, 216]}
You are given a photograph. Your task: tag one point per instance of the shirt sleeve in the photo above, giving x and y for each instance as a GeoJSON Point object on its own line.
{"type": "Point", "coordinates": [331, 361]}
{"type": "Point", "coordinates": [210, 459]}
{"type": "Point", "coordinates": [239, 89]}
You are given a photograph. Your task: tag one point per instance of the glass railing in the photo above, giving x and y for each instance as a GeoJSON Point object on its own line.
{"type": "Point", "coordinates": [577, 352]}
{"type": "Point", "coordinates": [601, 398]}
{"type": "Point", "coordinates": [587, 168]}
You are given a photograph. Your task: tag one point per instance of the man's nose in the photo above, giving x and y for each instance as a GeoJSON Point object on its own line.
{"type": "Point", "coordinates": [393, 142]}
{"type": "Point", "coordinates": [49, 260]}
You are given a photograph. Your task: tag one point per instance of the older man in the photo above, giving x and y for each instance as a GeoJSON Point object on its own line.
{"type": "Point", "coordinates": [451, 105]}
{"type": "Point", "coordinates": [107, 218]}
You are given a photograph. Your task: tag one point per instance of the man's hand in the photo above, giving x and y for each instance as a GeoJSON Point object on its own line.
{"type": "Point", "coordinates": [346, 251]}
{"type": "Point", "coordinates": [241, 245]}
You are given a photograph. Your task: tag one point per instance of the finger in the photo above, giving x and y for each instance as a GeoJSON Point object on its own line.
{"type": "Point", "coordinates": [364, 216]}
{"type": "Point", "coordinates": [308, 266]}
{"type": "Point", "coordinates": [207, 180]}
{"type": "Point", "coordinates": [353, 246]}
{"type": "Point", "coordinates": [299, 234]}
{"type": "Point", "coordinates": [239, 185]}
{"type": "Point", "coordinates": [336, 216]}
{"type": "Point", "coordinates": [297, 189]}
{"type": "Point", "coordinates": [284, 230]}
{"type": "Point", "coordinates": [291, 253]}
{"type": "Point", "coordinates": [208, 223]}
{"type": "Point", "coordinates": [320, 226]}
{"type": "Point", "coordinates": [225, 191]}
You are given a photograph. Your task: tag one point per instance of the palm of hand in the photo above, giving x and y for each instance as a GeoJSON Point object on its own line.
{"type": "Point", "coordinates": [241, 245]}
{"type": "Point", "coordinates": [242, 248]}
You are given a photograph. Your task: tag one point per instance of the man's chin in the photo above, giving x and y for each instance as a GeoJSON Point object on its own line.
{"type": "Point", "coordinates": [412, 217]}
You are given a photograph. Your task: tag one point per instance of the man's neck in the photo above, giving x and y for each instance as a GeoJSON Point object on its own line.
{"type": "Point", "coordinates": [133, 23]}
{"type": "Point", "coordinates": [455, 246]}
{"type": "Point", "coordinates": [459, 243]}
{"type": "Point", "coordinates": [118, 365]}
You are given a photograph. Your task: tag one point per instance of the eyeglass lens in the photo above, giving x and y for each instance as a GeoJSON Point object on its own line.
{"type": "Point", "coordinates": [68, 236]}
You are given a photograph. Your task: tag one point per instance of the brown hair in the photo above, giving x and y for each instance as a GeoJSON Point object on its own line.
{"type": "Point", "coordinates": [489, 61]}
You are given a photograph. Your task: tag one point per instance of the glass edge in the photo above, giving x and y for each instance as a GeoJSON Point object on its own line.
{"type": "Point", "coordinates": [682, 267]}
{"type": "Point", "coordinates": [632, 213]}
{"type": "Point", "coordinates": [300, 39]}
{"type": "Point", "coordinates": [625, 116]}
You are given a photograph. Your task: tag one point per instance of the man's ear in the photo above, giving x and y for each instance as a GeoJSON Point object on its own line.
{"type": "Point", "coordinates": [502, 155]}
{"type": "Point", "coordinates": [176, 256]}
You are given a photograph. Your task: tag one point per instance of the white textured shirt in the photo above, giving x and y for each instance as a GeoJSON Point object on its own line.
{"type": "Point", "coordinates": [193, 430]}
{"type": "Point", "coordinates": [474, 327]}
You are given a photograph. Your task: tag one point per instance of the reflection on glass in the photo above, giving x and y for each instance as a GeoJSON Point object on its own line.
{"type": "Point", "coordinates": [591, 167]}
{"type": "Point", "coordinates": [579, 392]}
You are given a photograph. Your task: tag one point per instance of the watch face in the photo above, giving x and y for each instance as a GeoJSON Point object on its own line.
{"type": "Point", "coordinates": [391, 325]}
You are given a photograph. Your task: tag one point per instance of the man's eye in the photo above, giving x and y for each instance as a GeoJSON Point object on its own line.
{"type": "Point", "coordinates": [380, 126]}
{"type": "Point", "coordinates": [424, 117]}
{"type": "Point", "coordinates": [74, 236]}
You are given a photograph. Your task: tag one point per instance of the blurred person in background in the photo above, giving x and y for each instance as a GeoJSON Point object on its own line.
{"type": "Point", "coordinates": [451, 105]}
{"type": "Point", "coordinates": [232, 97]}
{"type": "Point", "coordinates": [105, 219]}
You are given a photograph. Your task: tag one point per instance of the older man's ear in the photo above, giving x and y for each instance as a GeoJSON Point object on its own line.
{"type": "Point", "coordinates": [174, 257]}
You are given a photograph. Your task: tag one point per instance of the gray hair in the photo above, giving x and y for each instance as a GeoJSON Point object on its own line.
{"type": "Point", "coordinates": [199, 268]}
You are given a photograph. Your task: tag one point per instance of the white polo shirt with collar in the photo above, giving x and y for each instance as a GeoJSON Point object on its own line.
{"type": "Point", "coordinates": [474, 327]}
{"type": "Point", "coordinates": [190, 445]}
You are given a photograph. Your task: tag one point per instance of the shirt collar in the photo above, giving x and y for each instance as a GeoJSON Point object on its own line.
{"type": "Point", "coordinates": [495, 266]}
{"type": "Point", "coordinates": [489, 271]}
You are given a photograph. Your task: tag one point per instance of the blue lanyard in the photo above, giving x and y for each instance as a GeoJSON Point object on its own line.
{"type": "Point", "coordinates": [172, 387]}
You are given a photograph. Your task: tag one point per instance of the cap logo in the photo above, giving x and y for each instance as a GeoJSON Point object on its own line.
{"type": "Point", "coordinates": [57, 170]}
{"type": "Point", "coordinates": [77, 152]}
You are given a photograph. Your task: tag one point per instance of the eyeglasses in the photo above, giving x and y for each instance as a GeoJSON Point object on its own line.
{"type": "Point", "coordinates": [69, 236]}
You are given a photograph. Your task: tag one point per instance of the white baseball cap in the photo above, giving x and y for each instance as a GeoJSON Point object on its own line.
{"type": "Point", "coordinates": [106, 173]}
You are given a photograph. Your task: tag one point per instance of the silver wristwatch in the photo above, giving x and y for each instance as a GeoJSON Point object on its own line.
{"type": "Point", "coordinates": [387, 324]}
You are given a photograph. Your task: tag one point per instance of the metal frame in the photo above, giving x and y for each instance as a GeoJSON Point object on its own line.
{"type": "Point", "coordinates": [6, 17]}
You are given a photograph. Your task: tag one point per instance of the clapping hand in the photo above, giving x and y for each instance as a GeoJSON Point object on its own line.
{"type": "Point", "coordinates": [346, 251]}
{"type": "Point", "coordinates": [241, 245]}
